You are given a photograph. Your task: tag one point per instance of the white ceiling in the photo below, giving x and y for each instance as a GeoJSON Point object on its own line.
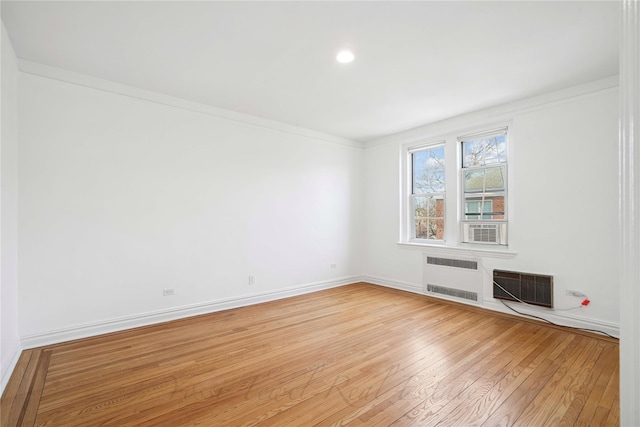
{"type": "Point", "coordinates": [416, 62]}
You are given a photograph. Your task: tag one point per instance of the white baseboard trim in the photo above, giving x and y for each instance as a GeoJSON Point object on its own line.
{"type": "Point", "coordinates": [6, 375]}
{"type": "Point", "coordinates": [563, 319]}
{"type": "Point", "coordinates": [146, 319]}
{"type": "Point", "coordinates": [395, 284]}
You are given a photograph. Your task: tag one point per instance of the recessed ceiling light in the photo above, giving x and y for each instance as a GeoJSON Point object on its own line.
{"type": "Point", "coordinates": [345, 56]}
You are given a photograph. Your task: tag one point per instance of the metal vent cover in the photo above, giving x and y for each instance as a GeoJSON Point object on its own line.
{"type": "Point", "coordinates": [536, 289]}
{"type": "Point", "coordinates": [449, 262]}
{"type": "Point", "coordinates": [459, 293]}
{"type": "Point", "coordinates": [484, 234]}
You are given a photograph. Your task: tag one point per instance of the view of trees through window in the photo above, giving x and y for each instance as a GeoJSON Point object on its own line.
{"type": "Point", "coordinates": [484, 176]}
{"type": "Point", "coordinates": [428, 191]}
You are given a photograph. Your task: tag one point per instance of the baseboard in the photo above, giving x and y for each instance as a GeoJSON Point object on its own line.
{"type": "Point", "coordinates": [395, 284]}
{"type": "Point", "coordinates": [146, 319]}
{"type": "Point", "coordinates": [562, 319]}
{"type": "Point", "coordinates": [6, 375]}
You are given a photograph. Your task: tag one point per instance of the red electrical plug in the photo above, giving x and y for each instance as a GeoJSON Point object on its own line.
{"type": "Point", "coordinates": [585, 302]}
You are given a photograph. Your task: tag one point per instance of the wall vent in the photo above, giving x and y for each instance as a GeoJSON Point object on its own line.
{"type": "Point", "coordinates": [457, 263]}
{"type": "Point", "coordinates": [536, 289]}
{"type": "Point", "coordinates": [459, 293]}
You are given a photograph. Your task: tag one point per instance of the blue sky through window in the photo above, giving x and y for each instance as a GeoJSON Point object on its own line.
{"type": "Point", "coordinates": [428, 170]}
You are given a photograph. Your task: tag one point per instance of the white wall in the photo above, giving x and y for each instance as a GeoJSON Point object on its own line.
{"type": "Point", "coordinates": [9, 339]}
{"type": "Point", "coordinates": [121, 198]}
{"type": "Point", "coordinates": [564, 214]}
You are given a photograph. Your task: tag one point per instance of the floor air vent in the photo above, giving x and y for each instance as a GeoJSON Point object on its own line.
{"type": "Point", "coordinates": [458, 263]}
{"type": "Point", "coordinates": [459, 293]}
{"type": "Point", "coordinates": [536, 289]}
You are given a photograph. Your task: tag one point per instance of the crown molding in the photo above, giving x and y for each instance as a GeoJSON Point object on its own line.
{"type": "Point", "coordinates": [84, 80]}
{"type": "Point", "coordinates": [498, 113]}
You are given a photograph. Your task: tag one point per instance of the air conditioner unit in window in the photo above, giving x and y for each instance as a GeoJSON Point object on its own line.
{"type": "Point", "coordinates": [495, 234]}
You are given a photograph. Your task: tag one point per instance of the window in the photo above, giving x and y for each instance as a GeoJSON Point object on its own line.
{"type": "Point", "coordinates": [484, 187]}
{"type": "Point", "coordinates": [472, 167]}
{"type": "Point", "coordinates": [427, 193]}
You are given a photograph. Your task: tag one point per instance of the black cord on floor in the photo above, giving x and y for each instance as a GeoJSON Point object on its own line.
{"type": "Point", "coordinates": [555, 324]}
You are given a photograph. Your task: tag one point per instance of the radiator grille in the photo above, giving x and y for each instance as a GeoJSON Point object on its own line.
{"type": "Point", "coordinates": [448, 262]}
{"type": "Point", "coordinates": [459, 293]}
{"type": "Point", "coordinates": [536, 289]}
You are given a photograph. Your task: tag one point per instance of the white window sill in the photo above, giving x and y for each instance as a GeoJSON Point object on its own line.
{"type": "Point", "coordinates": [468, 250]}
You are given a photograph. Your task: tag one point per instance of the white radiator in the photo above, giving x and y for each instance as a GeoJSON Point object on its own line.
{"type": "Point", "coordinates": [453, 278]}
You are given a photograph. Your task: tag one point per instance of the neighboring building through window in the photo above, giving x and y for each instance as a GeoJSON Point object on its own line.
{"type": "Point", "coordinates": [473, 209]}
{"type": "Point", "coordinates": [427, 193]}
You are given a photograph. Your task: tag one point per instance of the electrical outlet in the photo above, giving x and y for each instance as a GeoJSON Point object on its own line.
{"type": "Point", "coordinates": [575, 293]}
{"type": "Point", "coordinates": [334, 266]}
{"type": "Point", "coordinates": [252, 279]}
{"type": "Point", "coordinates": [167, 292]}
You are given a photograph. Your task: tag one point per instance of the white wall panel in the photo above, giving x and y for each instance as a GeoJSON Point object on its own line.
{"type": "Point", "coordinates": [121, 198]}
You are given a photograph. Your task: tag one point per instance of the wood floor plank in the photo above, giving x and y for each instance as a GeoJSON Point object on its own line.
{"type": "Point", "coordinates": [23, 393]}
{"type": "Point", "coordinates": [608, 367]}
{"type": "Point", "coordinates": [373, 408]}
{"type": "Point", "coordinates": [358, 355]}
{"type": "Point", "coordinates": [478, 412]}
{"type": "Point", "coordinates": [358, 390]}
{"type": "Point", "coordinates": [540, 410]}
{"type": "Point", "coordinates": [11, 406]}
{"type": "Point", "coordinates": [609, 401]}
{"type": "Point", "coordinates": [519, 400]}
{"type": "Point", "coordinates": [470, 402]}
{"type": "Point", "coordinates": [343, 359]}
{"type": "Point", "coordinates": [207, 374]}
{"type": "Point", "coordinates": [398, 371]}
{"type": "Point", "coordinates": [435, 399]}
{"type": "Point", "coordinates": [582, 388]}
{"type": "Point", "coordinates": [31, 408]}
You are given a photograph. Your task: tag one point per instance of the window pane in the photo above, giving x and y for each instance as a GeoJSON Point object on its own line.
{"type": "Point", "coordinates": [429, 217]}
{"type": "Point", "coordinates": [428, 171]}
{"type": "Point", "coordinates": [488, 207]}
{"type": "Point", "coordinates": [473, 207]}
{"type": "Point", "coordinates": [484, 180]}
{"type": "Point", "coordinates": [494, 178]}
{"type": "Point", "coordinates": [421, 214]}
{"type": "Point", "coordinates": [497, 202]}
{"type": "Point", "coordinates": [476, 208]}
{"type": "Point", "coordinates": [484, 151]}
{"type": "Point", "coordinates": [474, 181]}
{"type": "Point", "coordinates": [436, 229]}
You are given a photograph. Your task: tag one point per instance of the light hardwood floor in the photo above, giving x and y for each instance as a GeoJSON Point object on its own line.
{"type": "Point", "coordinates": [359, 355]}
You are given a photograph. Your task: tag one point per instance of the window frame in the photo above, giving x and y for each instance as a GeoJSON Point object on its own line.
{"type": "Point", "coordinates": [485, 192]}
{"type": "Point", "coordinates": [412, 197]}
